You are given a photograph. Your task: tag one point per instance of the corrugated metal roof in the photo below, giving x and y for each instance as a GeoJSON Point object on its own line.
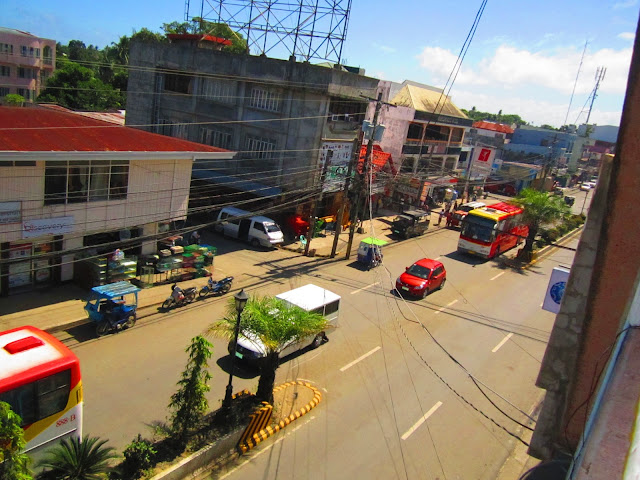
{"type": "Point", "coordinates": [111, 117]}
{"type": "Point", "coordinates": [496, 127]}
{"type": "Point", "coordinates": [426, 101]}
{"type": "Point", "coordinates": [34, 129]}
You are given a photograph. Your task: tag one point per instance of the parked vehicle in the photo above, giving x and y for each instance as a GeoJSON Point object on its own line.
{"type": "Point", "coordinates": [179, 297]}
{"type": "Point", "coordinates": [422, 278]}
{"type": "Point", "coordinates": [216, 288]}
{"type": "Point", "coordinates": [461, 212]}
{"type": "Point", "coordinates": [310, 298]}
{"type": "Point", "coordinates": [410, 223]}
{"type": "Point", "coordinates": [373, 258]}
{"type": "Point", "coordinates": [241, 224]}
{"type": "Point", "coordinates": [113, 307]}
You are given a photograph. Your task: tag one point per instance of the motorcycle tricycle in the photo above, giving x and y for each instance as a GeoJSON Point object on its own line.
{"type": "Point", "coordinates": [113, 307]}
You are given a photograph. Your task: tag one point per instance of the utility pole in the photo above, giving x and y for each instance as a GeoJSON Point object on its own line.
{"type": "Point", "coordinates": [363, 176]}
{"type": "Point", "coordinates": [314, 203]}
{"type": "Point", "coordinates": [355, 155]}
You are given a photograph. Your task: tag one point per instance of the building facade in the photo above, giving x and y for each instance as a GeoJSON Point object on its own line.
{"type": "Point", "coordinates": [284, 118]}
{"type": "Point", "coordinates": [72, 187]}
{"type": "Point", "coordinates": [26, 61]}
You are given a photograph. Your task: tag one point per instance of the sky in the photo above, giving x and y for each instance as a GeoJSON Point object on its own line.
{"type": "Point", "coordinates": [523, 59]}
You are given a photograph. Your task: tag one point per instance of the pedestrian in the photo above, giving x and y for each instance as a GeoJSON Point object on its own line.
{"type": "Point", "coordinates": [401, 204]}
{"type": "Point", "coordinates": [449, 217]}
{"type": "Point", "coordinates": [195, 238]}
{"type": "Point", "coordinates": [369, 257]}
{"type": "Point", "coordinates": [440, 217]}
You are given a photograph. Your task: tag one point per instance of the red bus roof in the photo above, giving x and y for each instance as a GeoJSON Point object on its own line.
{"type": "Point", "coordinates": [497, 211]}
{"type": "Point", "coordinates": [506, 207]}
{"type": "Point", "coordinates": [28, 353]}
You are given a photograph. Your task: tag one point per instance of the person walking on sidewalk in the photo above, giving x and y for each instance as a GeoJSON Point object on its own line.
{"type": "Point", "coordinates": [440, 216]}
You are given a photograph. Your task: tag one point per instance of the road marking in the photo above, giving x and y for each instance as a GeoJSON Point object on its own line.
{"type": "Point", "coordinates": [504, 340]}
{"type": "Point", "coordinates": [498, 275]}
{"type": "Point", "coordinates": [445, 307]}
{"type": "Point", "coordinates": [437, 258]}
{"type": "Point", "coordinates": [408, 433]}
{"type": "Point", "coordinates": [265, 449]}
{"type": "Point", "coordinates": [349, 365]}
{"type": "Point", "coordinates": [364, 288]}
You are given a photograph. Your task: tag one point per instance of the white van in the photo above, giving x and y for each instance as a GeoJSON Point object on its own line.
{"type": "Point", "coordinates": [310, 298]}
{"type": "Point", "coordinates": [241, 224]}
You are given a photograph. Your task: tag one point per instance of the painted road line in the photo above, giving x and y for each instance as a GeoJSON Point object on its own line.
{"type": "Point", "coordinates": [445, 307]}
{"type": "Point", "coordinates": [364, 288]}
{"type": "Point", "coordinates": [263, 450]}
{"type": "Point", "coordinates": [498, 275]}
{"type": "Point", "coordinates": [437, 258]}
{"type": "Point", "coordinates": [408, 433]}
{"type": "Point", "coordinates": [349, 365]}
{"type": "Point", "coordinates": [502, 342]}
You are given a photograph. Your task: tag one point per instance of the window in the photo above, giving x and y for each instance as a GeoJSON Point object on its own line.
{"type": "Point", "coordinates": [26, 73]}
{"type": "Point", "coordinates": [24, 50]}
{"type": "Point", "coordinates": [173, 128]}
{"type": "Point", "coordinates": [219, 90]}
{"type": "Point", "coordinates": [4, 91]}
{"type": "Point", "coordinates": [24, 93]}
{"type": "Point", "coordinates": [47, 56]}
{"type": "Point", "coordinates": [264, 99]}
{"type": "Point", "coordinates": [85, 181]}
{"type": "Point", "coordinates": [216, 138]}
{"type": "Point", "coordinates": [180, 83]}
{"type": "Point", "coordinates": [5, 71]}
{"type": "Point", "coordinates": [258, 226]}
{"type": "Point", "coordinates": [37, 53]}
{"type": "Point", "coordinates": [260, 148]}
{"type": "Point", "coordinates": [6, 48]}
{"type": "Point", "coordinates": [40, 399]}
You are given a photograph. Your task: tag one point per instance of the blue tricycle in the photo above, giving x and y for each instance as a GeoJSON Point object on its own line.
{"type": "Point", "coordinates": [113, 307]}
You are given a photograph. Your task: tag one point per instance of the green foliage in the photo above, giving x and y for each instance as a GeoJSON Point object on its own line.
{"type": "Point", "coordinates": [13, 464]}
{"type": "Point", "coordinates": [13, 100]}
{"type": "Point", "coordinates": [189, 402]}
{"type": "Point", "coordinates": [201, 26]}
{"type": "Point", "coordinates": [508, 119]}
{"type": "Point", "coordinates": [74, 459]}
{"type": "Point", "coordinates": [76, 87]}
{"type": "Point", "coordinates": [276, 324]}
{"type": "Point", "coordinates": [138, 457]}
{"type": "Point", "coordinates": [148, 36]}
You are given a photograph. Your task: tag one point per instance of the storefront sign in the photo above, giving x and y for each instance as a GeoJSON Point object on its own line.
{"type": "Point", "coordinates": [555, 289]}
{"type": "Point", "coordinates": [337, 156]}
{"type": "Point", "coordinates": [10, 212]}
{"type": "Point", "coordinates": [47, 226]}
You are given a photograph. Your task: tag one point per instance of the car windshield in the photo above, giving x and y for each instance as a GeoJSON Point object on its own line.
{"type": "Point", "coordinates": [272, 227]}
{"type": "Point", "coordinates": [401, 219]}
{"type": "Point", "coordinates": [466, 208]}
{"type": "Point", "coordinates": [419, 271]}
{"type": "Point", "coordinates": [478, 228]}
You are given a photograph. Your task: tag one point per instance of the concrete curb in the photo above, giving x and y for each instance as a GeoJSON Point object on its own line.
{"type": "Point", "coordinates": [265, 433]}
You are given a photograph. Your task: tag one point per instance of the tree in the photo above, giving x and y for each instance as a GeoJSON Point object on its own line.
{"type": "Point", "coordinates": [189, 402]}
{"type": "Point", "coordinates": [14, 465]}
{"type": "Point", "coordinates": [13, 100]}
{"type": "Point", "coordinates": [76, 87]}
{"type": "Point", "coordinates": [201, 26]}
{"type": "Point", "coordinates": [540, 208]}
{"type": "Point", "coordinates": [75, 459]}
{"type": "Point", "coordinates": [276, 324]}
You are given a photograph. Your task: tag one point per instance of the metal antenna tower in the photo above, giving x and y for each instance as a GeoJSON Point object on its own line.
{"type": "Point", "coordinates": [600, 73]}
{"type": "Point", "coordinates": [307, 29]}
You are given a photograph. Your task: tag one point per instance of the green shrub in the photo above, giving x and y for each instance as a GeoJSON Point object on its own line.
{"type": "Point", "coordinates": [138, 457]}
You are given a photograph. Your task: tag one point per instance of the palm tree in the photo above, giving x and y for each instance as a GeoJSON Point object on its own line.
{"type": "Point", "coordinates": [75, 459]}
{"type": "Point", "coordinates": [540, 209]}
{"type": "Point", "coordinates": [276, 324]}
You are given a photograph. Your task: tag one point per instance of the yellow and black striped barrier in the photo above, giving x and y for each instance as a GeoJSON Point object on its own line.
{"type": "Point", "coordinates": [254, 433]}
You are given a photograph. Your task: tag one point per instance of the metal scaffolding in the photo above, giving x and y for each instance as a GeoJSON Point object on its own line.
{"type": "Point", "coordinates": [308, 29]}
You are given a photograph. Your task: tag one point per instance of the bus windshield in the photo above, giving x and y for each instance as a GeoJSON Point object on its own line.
{"type": "Point", "coordinates": [478, 228]}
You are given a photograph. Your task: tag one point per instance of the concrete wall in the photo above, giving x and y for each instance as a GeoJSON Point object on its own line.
{"type": "Point", "coordinates": [304, 90]}
{"type": "Point", "coordinates": [599, 289]}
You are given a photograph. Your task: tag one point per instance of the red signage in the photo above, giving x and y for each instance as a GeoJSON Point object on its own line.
{"type": "Point", "coordinates": [485, 153]}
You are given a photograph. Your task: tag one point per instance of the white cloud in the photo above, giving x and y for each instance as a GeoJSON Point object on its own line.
{"type": "Point", "coordinates": [625, 4]}
{"type": "Point", "coordinates": [384, 48]}
{"type": "Point", "coordinates": [627, 35]}
{"type": "Point", "coordinates": [440, 62]}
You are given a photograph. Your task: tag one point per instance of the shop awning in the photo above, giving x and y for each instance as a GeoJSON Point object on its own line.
{"type": "Point", "coordinates": [379, 160]}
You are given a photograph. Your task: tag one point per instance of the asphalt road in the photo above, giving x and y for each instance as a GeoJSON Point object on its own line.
{"type": "Point", "coordinates": [395, 405]}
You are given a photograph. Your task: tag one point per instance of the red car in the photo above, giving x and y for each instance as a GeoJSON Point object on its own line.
{"type": "Point", "coordinates": [422, 278]}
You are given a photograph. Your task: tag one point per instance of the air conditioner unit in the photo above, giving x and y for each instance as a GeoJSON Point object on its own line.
{"type": "Point", "coordinates": [336, 118]}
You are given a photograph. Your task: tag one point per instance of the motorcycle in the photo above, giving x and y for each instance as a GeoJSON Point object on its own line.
{"type": "Point", "coordinates": [179, 297]}
{"type": "Point", "coordinates": [216, 288]}
{"type": "Point", "coordinates": [113, 307]}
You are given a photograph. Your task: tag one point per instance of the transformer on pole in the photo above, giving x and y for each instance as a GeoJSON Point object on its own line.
{"type": "Point", "coordinates": [307, 29]}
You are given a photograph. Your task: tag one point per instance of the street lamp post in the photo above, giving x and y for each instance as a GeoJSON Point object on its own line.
{"type": "Point", "coordinates": [241, 300]}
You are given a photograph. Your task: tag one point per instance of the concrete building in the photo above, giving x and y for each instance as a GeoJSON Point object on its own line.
{"type": "Point", "coordinates": [285, 118]}
{"type": "Point", "coordinates": [541, 146]}
{"type": "Point", "coordinates": [73, 186]}
{"type": "Point", "coordinates": [26, 61]}
{"type": "Point", "coordinates": [588, 424]}
{"type": "Point", "coordinates": [424, 134]}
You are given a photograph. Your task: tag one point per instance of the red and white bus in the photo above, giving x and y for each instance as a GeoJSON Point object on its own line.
{"type": "Point", "coordinates": [40, 379]}
{"type": "Point", "coordinates": [489, 231]}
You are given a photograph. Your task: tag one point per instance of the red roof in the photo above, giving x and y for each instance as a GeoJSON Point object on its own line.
{"type": "Point", "coordinates": [199, 37]}
{"type": "Point", "coordinates": [378, 159]}
{"type": "Point", "coordinates": [34, 129]}
{"type": "Point", "coordinates": [496, 127]}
